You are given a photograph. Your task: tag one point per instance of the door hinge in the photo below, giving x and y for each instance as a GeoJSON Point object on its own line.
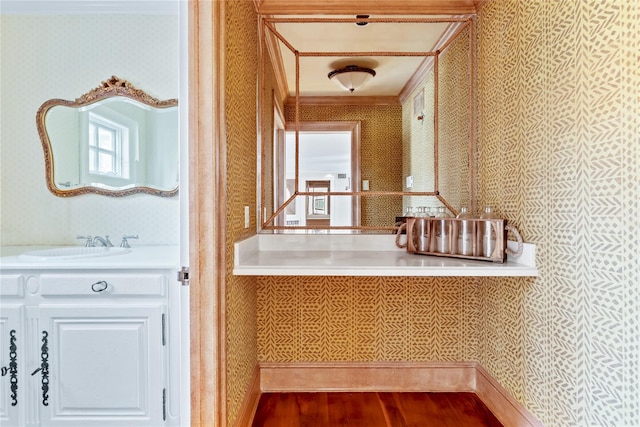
{"type": "Point", "coordinates": [183, 276]}
{"type": "Point", "coordinates": [164, 329]}
{"type": "Point", "coordinates": [164, 404]}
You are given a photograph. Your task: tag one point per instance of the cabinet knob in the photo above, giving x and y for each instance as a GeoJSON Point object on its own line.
{"type": "Point", "coordinates": [99, 286]}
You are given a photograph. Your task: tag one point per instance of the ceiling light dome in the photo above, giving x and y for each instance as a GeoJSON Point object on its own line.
{"type": "Point", "coordinates": [352, 77]}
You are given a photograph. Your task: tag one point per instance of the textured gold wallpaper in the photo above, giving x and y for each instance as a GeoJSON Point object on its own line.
{"type": "Point", "coordinates": [240, 112]}
{"type": "Point", "coordinates": [418, 138]}
{"type": "Point", "coordinates": [368, 319]}
{"type": "Point", "coordinates": [266, 160]}
{"type": "Point", "coordinates": [454, 121]}
{"type": "Point", "coordinates": [269, 101]}
{"type": "Point", "coordinates": [559, 126]}
{"type": "Point", "coordinates": [380, 152]}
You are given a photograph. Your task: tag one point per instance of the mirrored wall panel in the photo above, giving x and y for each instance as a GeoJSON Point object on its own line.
{"type": "Point", "coordinates": [371, 112]}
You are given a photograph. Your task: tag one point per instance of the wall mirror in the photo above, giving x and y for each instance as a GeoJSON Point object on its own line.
{"type": "Point", "coordinates": [413, 118]}
{"type": "Point", "coordinates": [115, 140]}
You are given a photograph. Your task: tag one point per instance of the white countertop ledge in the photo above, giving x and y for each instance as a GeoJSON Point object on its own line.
{"type": "Point", "coordinates": [140, 257]}
{"type": "Point", "coordinates": [360, 255]}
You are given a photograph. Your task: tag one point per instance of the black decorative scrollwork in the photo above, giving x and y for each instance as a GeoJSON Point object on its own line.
{"type": "Point", "coordinates": [13, 367]}
{"type": "Point", "coordinates": [44, 366]}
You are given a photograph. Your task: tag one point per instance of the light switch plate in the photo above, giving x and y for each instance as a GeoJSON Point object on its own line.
{"type": "Point", "coordinates": [365, 185]}
{"type": "Point", "coordinates": [410, 181]}
{"type": "Point", "coordinates": [247, 218]}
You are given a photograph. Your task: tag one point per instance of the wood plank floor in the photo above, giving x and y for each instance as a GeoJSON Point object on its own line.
{"type": "Point", "coordinates": [371, 409]}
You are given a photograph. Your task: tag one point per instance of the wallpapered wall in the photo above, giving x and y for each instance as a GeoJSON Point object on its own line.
{"type": "Point", "coordinates": [269, 102]}
{"type": "Point", "coordinates": [58, 56]}
{"type": "Point", "coordinates": [418, 136]}
{"type": "Point", "coordinates": [559, 131]}
{"type": "Point", "coordinates": [241, 57]}
{"type": "Point", "coordinates": [309, 319]}
{"type": "Point", "coordinates": [454, 121]}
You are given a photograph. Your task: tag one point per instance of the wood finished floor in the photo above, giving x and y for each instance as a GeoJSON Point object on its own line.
{"type": "Point", "coordinates": [371, 409]}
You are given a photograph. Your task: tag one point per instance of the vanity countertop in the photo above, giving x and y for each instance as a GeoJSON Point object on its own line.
{"type": "Point", "coordinates": [360, 255]}
{"type": "Point", "coordinates": [140, 257]}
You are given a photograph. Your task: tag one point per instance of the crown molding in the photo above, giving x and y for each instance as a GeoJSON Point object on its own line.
{"type": "Point", "coordinates": [416, 79]}
{"type": "Point", "coordinates": [275, 56]}
{"type": "Point", "coordinates": [344, 100]}
{"type": "Point", "coordinates": [373, 7]}
{"type": "Point", "coordinates": [427, 65]}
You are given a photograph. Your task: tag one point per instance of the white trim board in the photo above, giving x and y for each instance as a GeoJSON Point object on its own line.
{"type": "Point", "coordinates": [89, 7]}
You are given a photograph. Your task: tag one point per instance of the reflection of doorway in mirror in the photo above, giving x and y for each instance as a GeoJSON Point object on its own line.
{"type": "Point", "coordinates": [318, 210]}
{"type": "Point", "coordinates": [323, 157]}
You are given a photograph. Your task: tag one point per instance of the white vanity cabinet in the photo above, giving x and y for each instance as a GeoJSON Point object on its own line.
{"type": "Point", "coordinates": [11, 357]}
{"type": "Point", "coordinates": [102, 358]}
{"type": "Point", "coordinates": [93, 349]}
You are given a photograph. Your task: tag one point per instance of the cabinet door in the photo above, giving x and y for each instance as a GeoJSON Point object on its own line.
{"type": "Point", "coordinates": [12, 348]}
{"type": "Point", "coordinates": [102, 365]}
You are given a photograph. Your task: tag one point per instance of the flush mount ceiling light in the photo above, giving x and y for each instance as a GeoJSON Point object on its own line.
{"type": "Point", "coordinates": [351, 77]}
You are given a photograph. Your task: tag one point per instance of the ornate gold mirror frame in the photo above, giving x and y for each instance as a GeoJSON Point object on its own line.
{"type": "Point", "coordinates": [112, 90]}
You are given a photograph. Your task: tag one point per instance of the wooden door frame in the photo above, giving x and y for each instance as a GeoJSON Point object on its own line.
{"type": "Point", "coordinates": [339, 126]}
{"type": "Point", "coordinates": [207, 168]}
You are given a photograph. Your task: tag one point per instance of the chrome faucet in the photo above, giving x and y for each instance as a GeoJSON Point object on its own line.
{"type": "Point", "coordinates": [125, 243]}
{"type": "Point", "coordinates": [102, 241]}
{"type": "Point", "coordinates": [89, 240]}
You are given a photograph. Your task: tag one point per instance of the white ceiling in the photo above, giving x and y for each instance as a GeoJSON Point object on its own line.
{"type": "Point", "coordinates": [392, 72]}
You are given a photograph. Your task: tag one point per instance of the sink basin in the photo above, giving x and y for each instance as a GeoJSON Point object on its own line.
{"type": "Point", "coordinates": [71, 252]}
